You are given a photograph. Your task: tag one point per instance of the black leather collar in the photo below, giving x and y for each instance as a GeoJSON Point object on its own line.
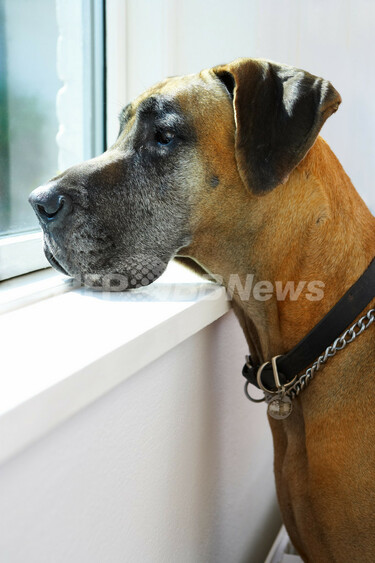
{"type": "Point", "coordinates": [320, 337]}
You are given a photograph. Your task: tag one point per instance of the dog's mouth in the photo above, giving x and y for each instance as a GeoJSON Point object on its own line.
{"type": "Point", "coordinates": [53, 261]}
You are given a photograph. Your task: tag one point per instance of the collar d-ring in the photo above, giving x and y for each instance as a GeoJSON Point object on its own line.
{"type": "Point", "coordinates": [275, 376]}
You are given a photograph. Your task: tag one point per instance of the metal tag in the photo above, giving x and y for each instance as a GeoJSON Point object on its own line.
{"type": "Point", "coordinates": [280, 407]}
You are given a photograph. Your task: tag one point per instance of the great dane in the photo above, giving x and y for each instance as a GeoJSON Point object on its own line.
{"type": "Point", "coordinates": [226, 167]}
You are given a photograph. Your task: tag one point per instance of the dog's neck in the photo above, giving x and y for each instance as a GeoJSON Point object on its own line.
{"type": "Point", "coordinates": [314, 231]}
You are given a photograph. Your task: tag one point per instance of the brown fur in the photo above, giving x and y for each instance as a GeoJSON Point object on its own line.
{"type": "Point", "coordinates": [314, 227]}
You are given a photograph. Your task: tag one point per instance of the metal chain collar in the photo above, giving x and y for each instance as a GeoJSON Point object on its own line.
{"type": "Point", "coordinates": [280, 401]}
{"type": "Point", "coordinates": [339, 344]}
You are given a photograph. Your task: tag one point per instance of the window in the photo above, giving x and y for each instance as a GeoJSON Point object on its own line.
{"type": "Point", "coordinates": [51, 109]}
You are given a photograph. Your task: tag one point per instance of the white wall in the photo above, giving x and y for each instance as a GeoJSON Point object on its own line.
{"type": "Point", "coordinates": [173, 465]}
{"type": "Point", "coordinates": [331, 38]}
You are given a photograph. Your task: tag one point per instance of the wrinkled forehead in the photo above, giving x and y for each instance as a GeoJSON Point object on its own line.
{"type": "Point", "coordinates": [189, 95]}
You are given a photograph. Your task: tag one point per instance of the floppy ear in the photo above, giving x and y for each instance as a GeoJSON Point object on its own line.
{"type": "Point", "coordinates": [279, 111]}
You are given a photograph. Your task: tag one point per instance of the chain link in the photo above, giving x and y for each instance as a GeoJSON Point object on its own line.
{"type": "Point", "coordinates": [339, 344]}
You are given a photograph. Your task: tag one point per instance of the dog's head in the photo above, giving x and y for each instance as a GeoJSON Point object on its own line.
{"type": "Point", "coordinates": [184, 147]}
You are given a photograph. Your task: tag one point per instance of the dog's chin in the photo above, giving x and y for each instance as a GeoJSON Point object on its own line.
{"type": "Point", "coordinates": [114, 281]}
{"type": "Point", "coordinates": [137, 271]}
{"type": "Point", "coordinates": [111, 280]}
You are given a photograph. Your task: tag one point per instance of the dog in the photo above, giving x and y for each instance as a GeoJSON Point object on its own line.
{"type": "Point", "coordinates": [226, 168]}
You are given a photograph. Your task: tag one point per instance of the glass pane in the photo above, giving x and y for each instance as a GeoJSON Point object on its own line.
{"type": "Point", "coordinates": [28, 121]}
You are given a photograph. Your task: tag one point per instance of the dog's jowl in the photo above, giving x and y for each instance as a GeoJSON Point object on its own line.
{"type": "Point", "coordinates": [226, 168]}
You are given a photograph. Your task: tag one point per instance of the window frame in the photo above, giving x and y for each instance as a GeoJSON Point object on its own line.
{"type": "Point", "coordinates": [81, 67]}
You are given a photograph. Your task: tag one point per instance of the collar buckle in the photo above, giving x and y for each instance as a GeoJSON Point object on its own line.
{"type": "Point", "coordinates": [279, 387]}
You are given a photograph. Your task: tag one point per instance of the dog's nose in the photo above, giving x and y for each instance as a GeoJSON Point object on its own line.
{"type": "Point", "coordinates": [49, 204]}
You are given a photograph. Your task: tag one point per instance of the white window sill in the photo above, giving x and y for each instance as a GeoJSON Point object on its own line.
{"type": "Point", "coordinates": [20, 254]}
{"type": "Point", "coordinates": [62, 352]}
{"type": "Point", "coordinates": [31, 288]}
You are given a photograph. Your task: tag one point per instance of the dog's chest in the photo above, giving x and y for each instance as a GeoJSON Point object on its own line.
{"type": "Point", "coordinates": [325, 498]}
{"type": "Point", "coordinates": [296, 493]}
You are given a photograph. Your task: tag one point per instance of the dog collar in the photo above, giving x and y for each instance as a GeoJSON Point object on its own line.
{"type": "Point", "coordinates": [279, 379]}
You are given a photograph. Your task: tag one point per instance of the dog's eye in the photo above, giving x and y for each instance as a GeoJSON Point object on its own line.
{"type": "Point", "coordinates": [164, 137]}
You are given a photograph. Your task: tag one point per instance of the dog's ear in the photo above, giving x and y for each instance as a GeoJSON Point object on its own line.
{"type": "Point", "coordinates": [279, 111]}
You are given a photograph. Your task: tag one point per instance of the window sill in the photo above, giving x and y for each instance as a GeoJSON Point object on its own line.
{"type": "Point", "coordinates": [31, 288]}
{"type": "Point", "coordinates": [65, 351]}
{"type": "Point", "coordinates": [20, 254]}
